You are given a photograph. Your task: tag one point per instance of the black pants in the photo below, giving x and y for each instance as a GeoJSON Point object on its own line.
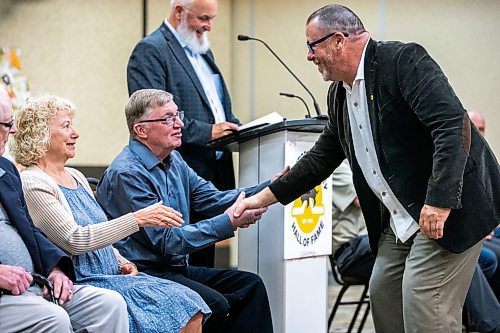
{"type": "Point", "coordinates": [355, 258]}
{"type": "Point", "coordinates": [238, 299]}
{"type": "Point", "coordinates": [494, 245]}
{"type": "Point", "coordinates": [482, 305]}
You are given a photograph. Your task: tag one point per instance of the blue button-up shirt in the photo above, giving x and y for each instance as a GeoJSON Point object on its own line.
{"type": "Point", "coordinates": [136, 179]}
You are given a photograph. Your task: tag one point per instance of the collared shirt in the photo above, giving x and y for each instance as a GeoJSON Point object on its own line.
{"type": "Point", "coordinates": [136, 179]}
{"type": "Point", "coordinates": [401, 222]}
{"type": "Point", "coordinates": [210, 81]}
{"type": "Point", "coordinates": [13, 251]}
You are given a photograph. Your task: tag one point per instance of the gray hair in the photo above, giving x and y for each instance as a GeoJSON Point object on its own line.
{"type": "Point", "coordinates": [141, 103]}
{"type": "Point", "coordinates": [334, 17]}
{"type": "Point", "coordinates": [174, 3]}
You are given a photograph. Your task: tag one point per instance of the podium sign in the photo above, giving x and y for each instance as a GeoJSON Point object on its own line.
{"type": "Point", "coordinates": [288, 246]}
{"type": "Point", "coordinates": [308, 219]}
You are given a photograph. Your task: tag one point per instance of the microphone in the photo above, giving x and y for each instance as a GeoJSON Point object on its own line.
{"type": "Point", "coordinates": [308, 115]}
{"type": "Point", "coordinates": [315, 103]}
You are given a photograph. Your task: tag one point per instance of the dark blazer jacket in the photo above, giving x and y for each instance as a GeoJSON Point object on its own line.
{"type": "Point", "coordinates": [158, 61]}
{"type": "Point", "coordinates": [427, 149]}
{"type": "Point", "coordinates": [45, 255]}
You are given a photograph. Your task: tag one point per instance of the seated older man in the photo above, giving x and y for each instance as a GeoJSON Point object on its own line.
{"type": "Point", "coordinates": [24, 249]}
{"type": "Point", "coordinates": [149, 170]}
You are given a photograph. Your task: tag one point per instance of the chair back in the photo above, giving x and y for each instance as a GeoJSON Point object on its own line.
{"type": "Point", "coordinates": [335, 270]}
{"type": "Point", "coordinates": [93, 182]}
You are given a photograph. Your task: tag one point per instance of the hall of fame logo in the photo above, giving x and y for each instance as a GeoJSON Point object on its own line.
{"type": "Point", "coordinates": [307, 212]}
{"type": "Point", "coordinates": [308, 219]}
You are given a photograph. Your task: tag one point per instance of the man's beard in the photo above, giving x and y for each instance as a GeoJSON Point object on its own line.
{"type": "Point", "coordinates": [189, 36]}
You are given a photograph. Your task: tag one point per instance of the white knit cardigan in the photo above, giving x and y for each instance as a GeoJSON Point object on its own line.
{"type": "Point", "coordinates": [51, 212]}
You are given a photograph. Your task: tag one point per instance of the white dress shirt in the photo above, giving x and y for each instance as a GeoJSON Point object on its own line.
{"type": "Point", "coordinates": [401, 222]}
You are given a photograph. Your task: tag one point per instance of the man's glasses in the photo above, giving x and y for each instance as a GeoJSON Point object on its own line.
{"type": "Point", "coordinates": [9, 124]}
{"type": "Point", "coordinates": [311, 45]}
{"type": "Point", "coordinates": [168, 120]}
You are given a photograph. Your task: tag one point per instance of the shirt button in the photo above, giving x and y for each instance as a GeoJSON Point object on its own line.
{"type": "Point", "coordinates": [355, 103]}
{"type": "Point", "coordinates": [360, 127]}
{"type": "Point", "coordinates": [374, 172]}
{"type": "Point", "coordinates": [384, 194]}
{"type": "Point", "coordinates": [366, 148]}
{"type": "Point", "coordinates": [394, 212]}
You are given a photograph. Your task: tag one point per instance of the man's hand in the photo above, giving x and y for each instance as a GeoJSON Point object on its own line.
{"type": "Point", "coordinates": [129, 269]}
{"type": "Point", "coordinates": [63, 286]}
{"type": "Point", "coordinates": [244, 220]}
{"type": "Point", "coordinates": [432, 221]}
{"type": "Point", "coordinates": [222, 129]}
{"type": "Point", "coordinates": [14, 279]}
{"type": "Point", "coordinates": [264, 198]}
{"type": "Point", "coordinates": [281, 173]}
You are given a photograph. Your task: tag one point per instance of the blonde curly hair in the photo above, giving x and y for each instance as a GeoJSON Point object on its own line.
{"type": "Point", "coordinates": [32, 139]}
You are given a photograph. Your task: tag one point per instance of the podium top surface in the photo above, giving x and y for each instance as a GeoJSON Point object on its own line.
{"type": "Point", "coordinates": [231, 142]}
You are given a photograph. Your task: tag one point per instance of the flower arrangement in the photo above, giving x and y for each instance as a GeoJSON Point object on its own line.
{"type": "Point", "coordinates": [11, 78]}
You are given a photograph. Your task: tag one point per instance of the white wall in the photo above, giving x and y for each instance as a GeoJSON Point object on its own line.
{"type": "Point", "coordinates": [80, 49]}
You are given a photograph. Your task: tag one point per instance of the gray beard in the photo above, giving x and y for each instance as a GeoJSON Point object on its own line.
{"type": "Point", "coordinates": [197, 46]}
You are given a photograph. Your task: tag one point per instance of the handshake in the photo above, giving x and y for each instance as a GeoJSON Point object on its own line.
{"type": "Point", "coordinates": [245, 219]}
{"type": "Point", "coordinates": [247, 211]}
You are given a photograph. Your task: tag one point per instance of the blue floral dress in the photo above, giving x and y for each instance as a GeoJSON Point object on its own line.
{"type": "Point", "coordinates": [154, 304]}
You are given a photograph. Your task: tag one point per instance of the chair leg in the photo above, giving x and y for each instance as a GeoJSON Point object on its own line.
{"type": "Point", "coordinates": [336, 305]}
{"type": "Point", "coordinates": [363, 320]}
{"type": "Point", "coordinates": [465, 320]}
{"type": "Point", "coordinates": [358, 307]}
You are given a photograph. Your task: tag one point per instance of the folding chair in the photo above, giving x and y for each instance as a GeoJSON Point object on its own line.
{"type": "Point", "coordinates": [346, 282]}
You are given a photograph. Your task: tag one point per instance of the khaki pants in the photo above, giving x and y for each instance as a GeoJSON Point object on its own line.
{"type": "Point", "coordinates": [91, 310]}
{"type": "Point", "coordinates": [419, 287]}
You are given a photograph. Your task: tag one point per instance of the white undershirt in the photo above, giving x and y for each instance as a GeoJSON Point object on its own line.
{"type": "Point", "coordinates": [401, 222]}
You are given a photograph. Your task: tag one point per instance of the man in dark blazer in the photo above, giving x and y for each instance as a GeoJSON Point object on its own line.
{"type": "Point", "coordinates": [427, 182]}
{"type": "Point", "coordinates": [176, 58]}
{"type": "Point", "coordinates": [25, 249]}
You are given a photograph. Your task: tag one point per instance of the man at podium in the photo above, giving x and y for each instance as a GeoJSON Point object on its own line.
{"type": "Point", "coordinates": [177, 58]}
{"type": "Point", "coordinates": [427, 183]}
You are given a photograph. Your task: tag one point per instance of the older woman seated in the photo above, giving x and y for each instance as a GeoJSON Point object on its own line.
{"type": "Point", "coordinates": [61, 203]}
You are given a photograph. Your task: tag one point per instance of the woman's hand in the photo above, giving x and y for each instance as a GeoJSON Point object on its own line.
{"type": "Point", "coordinates": [129, 269]}
{"type": "Point", "coordinates": [158, 215]}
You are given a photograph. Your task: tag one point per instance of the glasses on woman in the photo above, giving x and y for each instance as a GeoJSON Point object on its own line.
{"type": "Point", "coordinates": [168, 120]}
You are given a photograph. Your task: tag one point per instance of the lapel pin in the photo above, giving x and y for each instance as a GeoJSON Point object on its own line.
{"type": "Point", "coordinates": [371, 97]}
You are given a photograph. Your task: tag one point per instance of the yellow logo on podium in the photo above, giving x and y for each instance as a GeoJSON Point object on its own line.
{"type": "Point", "coordinates": [307, 211]}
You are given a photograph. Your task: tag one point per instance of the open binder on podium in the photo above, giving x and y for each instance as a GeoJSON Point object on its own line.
{"type": "Point", "coordinates": [268, 124]}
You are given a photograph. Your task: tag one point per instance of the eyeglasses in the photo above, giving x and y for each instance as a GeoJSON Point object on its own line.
{"type": "Point", "coordinates": [168, 120]}
{"type": "Point", "coordinates": [9, 124]}
{"type": "Point", "coordinates": [311, 45]}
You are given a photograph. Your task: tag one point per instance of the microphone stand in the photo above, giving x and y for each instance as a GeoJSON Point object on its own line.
{"type": "Point", "coordinates": [308, 115]}
{"type": "Point", "coordinates": [315, 103]}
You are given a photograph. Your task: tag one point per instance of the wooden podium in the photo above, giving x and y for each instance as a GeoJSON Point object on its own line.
{"type": "Point", "coordinates": [289, 245]}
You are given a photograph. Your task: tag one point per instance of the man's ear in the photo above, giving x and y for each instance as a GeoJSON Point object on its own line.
{"type": "Point", "coordinates": [140, 131]}
{"type": "Point", "coordinates": [339, 40]}
{"type": "Point", "coordinates": [178, 10]}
